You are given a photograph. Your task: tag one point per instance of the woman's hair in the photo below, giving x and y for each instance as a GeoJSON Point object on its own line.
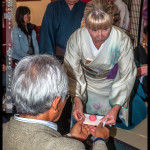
{"type": "Point", "coordinates": [20, 12]}
{"type": "Point", "coordinates": [37, 81]}
{"type": "Point", "coordinates": [98, 14]}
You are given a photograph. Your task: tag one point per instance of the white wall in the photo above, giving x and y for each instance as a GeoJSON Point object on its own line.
{"type": "Point", "coordinates": [37, 9]}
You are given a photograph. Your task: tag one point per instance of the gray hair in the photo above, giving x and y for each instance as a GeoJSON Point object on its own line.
{"type": "Point", "coordinates": [37, 81]}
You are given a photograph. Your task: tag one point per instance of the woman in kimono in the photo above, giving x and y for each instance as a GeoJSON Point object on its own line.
{"type": "Point", "coordinates": [100, 66]}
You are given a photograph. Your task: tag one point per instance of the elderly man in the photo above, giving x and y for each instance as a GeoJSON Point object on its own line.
{"type": "Point", "coordinates": [39, 89]}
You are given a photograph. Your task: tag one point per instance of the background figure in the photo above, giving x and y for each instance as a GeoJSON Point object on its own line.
{"type": "Point", "coordinates": [100, 66]}
{"type": "Point", "coordinates": [141, 60]}
{"type": "Point", "coordinates": [39, 89]}
{"type": "Point", "coordinates": [61, 19]}
{"type": "Point", "coordinates": [124, 14]}
{"type": "Point", "coordinates": [24, 42]}
{"type": "Point", "coordinates": [115, 13]}
{"type": "Point", "coordinates": [145, 13]}
{"type": "Point", "coordinates": [139, 94]}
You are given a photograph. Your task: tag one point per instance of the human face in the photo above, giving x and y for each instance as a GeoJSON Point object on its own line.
{"type": "Point", "coordinates": [27, 18]}
{"type": "Point", "coordinates": [99, 36]}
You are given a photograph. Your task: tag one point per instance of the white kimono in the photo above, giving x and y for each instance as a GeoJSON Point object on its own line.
{"type": "Point", "coordinates": [114, 62]}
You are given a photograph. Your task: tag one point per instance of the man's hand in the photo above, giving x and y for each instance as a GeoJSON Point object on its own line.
{"type": "Point", "coordinates": [80, 131]}
{"type": "Point", "coordinates": [78, 109]}
{"type": "Point", "coordinates": [101, 132]}
{"type": "Point", "coordinates": [111, 116]}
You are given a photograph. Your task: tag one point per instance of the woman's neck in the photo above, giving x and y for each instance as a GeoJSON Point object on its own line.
{"type": "Point", "coordinates": [97, 45]}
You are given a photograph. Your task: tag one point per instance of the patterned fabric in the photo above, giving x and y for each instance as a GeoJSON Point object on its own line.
{"type": "Point", "coordinates": [115, 54]}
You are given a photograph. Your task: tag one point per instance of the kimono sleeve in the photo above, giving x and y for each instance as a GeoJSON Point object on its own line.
{"type": "Point", "coordinates": [77, 83]}
{"type": "Point", "coordinates": [126, 75]}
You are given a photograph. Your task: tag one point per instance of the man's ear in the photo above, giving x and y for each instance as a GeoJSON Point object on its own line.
{"type": "Point", "coordinates": [55, 103]}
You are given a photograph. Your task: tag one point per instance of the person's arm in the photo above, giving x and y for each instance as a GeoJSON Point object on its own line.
{"type": "Point", "coordinates": [111, 116]}
{"type": "Point", "coordinates": [81, 131]}
{"type": "Point", "coordinates": [78, 109]}
{"type": "Point", "coordinates": [47, 32]}
{"type": "Point", "coordinates": [124, 81]}
{"type": "Point", "coordinates": [72, 65]}
{"type": "Point", "coordinates": [100, 136]}
{"type": "Point", "coordinates": [142, 70]}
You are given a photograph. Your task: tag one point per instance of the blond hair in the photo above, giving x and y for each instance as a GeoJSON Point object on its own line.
{"type": "Point", "coordinates": [98, 14]}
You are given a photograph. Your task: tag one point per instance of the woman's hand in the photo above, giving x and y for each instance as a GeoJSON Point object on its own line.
{"type": "Point", "coordinates": [80, 131]}
{"type": "Point", "coordinates": [111, 116]}
{"type": "Point", "coordinates": [78, 109]}
{"type": "Point", "coordinates": [142, 70]}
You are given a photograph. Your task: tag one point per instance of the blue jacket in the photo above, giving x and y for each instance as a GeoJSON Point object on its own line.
{"type": "Point", "coordinates": [20, 44]}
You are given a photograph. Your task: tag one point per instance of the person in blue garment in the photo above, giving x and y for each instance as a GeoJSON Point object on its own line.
{"type": "Point", "coordinates": [61, 19]}
{"type": "Point", "coordinates": [139, 94]}
{"type": "Point", "coordinates": [24, 42]}
{"type": "Point", "coordinates": [141, 61]}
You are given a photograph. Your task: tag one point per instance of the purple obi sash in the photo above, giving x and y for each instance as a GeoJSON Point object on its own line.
{"type": "Point", "coordinates": [109, 74]}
